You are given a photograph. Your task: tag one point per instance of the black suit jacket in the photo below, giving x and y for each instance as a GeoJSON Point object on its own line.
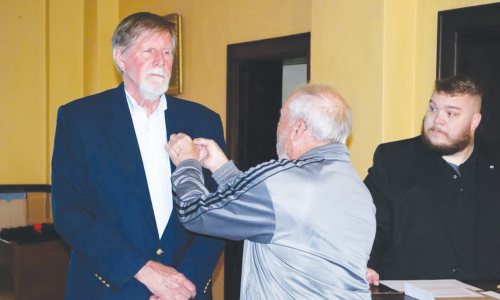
{"type": "Point", "coordinates": [415, 236]}
{"type": "Point", "coordinates": [101, 202]}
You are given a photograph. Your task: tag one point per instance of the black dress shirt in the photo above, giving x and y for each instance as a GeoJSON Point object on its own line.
{"type": "Point", "coordinates": [461, 184]}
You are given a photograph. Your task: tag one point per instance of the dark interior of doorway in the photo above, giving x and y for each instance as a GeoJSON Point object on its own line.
{"type": "Point", "coordinates": [469, 44]}
{"type": "Point", "coordinates": [254, 98]}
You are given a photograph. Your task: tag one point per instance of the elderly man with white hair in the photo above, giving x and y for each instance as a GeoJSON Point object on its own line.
{"type": "Point", "coordinates": [307, 219]}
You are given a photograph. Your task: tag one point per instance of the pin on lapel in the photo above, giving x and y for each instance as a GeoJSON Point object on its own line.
{"type": "Point", "coordinates": [492, 167]}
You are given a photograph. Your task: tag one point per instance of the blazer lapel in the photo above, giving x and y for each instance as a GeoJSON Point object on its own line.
{"type": "Point", "coordinates": [121, 135]}
{"type": "Point", "coordinates": [175, 124]}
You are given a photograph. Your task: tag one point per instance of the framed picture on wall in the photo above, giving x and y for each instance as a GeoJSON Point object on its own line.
{"type": "Point", "coordinates": [175, 87]}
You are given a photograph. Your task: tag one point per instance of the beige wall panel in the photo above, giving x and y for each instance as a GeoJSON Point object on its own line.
{"type": "Point", "coordinates": [399, 69]}
{"type": "Point", "coordinates": [90, 48]}
{"type": "Point", "coordinates": [13, 213]}
{"type": "Point", "coordinates": [347, 52]}
{"type": "Point", "coordinates": [4, 214]}
{"type": "Point", "coordinates": [37, 207]}
{"type": "Point", "coordinates": [218, 280]}
{"type": "Point", "coordinates": [107, 19]}
{"type": "Point", "coordinates": [100, 20]}
{"type": "Point", "coordinates": [65, 60]}
{"type": "Point", "coordinates": [48, 211]}
{"type": "Point", "coordinates": [23, 99]}
{"type": "Point", "coordinates": [18, 213]}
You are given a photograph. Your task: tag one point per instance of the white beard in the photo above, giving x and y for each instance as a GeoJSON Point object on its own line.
{"type": "Point", "coordinates": [280, 145]}
{"type": "Point", "coordinates": [150, 91]}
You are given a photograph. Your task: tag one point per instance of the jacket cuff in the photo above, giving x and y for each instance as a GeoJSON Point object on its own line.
{"type": "Point", "coordinates": [193, 163]}
{"type": "Point", "coordinates": [227, 172]}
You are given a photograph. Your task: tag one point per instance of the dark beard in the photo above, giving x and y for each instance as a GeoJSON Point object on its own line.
{"type": "Point", "coordinates": [456, 146]}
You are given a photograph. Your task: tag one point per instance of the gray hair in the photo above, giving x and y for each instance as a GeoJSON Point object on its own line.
{"type": "Point", "coordinates": [323, 110]}
{"type": "Point", "coordinates": [133, 26]}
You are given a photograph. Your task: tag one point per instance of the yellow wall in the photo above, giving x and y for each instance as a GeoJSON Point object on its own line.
{"type": "Point", "coordinates": [64, 61]}
{"type": "Point", "coordinates": [23, 130]}
{"type": "Point", "coordinates": [399, 70]}
{"type": "Point", "coordinates": [379, 54]}
{"type": "Point", "coordinates": [51, 52]}
{"type": "Point", "coordinates": [347, 39]}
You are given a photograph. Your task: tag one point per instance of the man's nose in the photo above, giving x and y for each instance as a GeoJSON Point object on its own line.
{"type": "Point", "coordinates": [439, 118]}
{"type": "Point", "coordinates": [159, 59]}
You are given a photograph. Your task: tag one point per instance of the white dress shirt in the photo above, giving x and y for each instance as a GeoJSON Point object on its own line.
{"type": "Point", "coordinates": [151, 134]}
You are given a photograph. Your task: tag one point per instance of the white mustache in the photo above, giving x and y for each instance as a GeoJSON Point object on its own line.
{"type": "Point", "coordinates": [157, 71]}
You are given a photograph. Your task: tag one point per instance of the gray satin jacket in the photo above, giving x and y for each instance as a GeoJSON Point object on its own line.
{"type": "Point", "coordinates": [308, 224]}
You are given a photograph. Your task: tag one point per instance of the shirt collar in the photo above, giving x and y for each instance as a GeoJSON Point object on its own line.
{"type": "Point", "coordinates": [469, 163]}
{"type": "Point", "coordinates": [134, 107]}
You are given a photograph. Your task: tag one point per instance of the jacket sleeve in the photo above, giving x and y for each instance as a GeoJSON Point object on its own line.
{"type": "Point", "coordinates": [100, 245]}
{"type": "Point", "coordinates": [240, 209]}
{"type": "Point", "coordinates": [377, 182]}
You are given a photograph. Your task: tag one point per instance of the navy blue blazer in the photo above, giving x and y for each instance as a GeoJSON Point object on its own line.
{"type": "Point", "coordinates": [101, 203]}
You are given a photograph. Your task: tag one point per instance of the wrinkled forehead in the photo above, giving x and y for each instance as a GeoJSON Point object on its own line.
{"type": "Point", "coordinates": [153, 35]}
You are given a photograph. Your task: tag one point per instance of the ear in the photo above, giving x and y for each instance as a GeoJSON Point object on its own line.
{"type": "Point", "coordinates": [119, 59]}
{"type": "Point", "coordinates": [299, 127]}
{"type": "Point", "coordinates": [476, 119]}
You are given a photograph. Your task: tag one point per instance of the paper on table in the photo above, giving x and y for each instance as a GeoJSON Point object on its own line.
{"type": "Point", "coordinates": [492, 294]}
{"type": "Point", "coordinates": [441, 288]}
{"type": "Point", "coordinates": [417, 293]}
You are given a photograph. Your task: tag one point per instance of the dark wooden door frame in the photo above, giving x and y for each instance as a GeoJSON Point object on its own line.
{"type": "Point", "coordinates": [456, 23]}
{"type": "Point", "coordinates": [239, 56]}
{"type": "Point", "coordinates": [282, 47]}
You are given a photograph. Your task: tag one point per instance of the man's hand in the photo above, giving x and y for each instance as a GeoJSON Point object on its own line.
{"type": "Point", "coordinates": [181, 148]}
{"type": "Point", "coordinates": [372, 277]}
{"type": "Point", "coordinates": [211, 155]}
{"type": "Point", "coordinates": [165, 282]}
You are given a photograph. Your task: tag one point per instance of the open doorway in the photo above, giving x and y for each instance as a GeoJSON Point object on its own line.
{"type": "Point", "coordinates": [260, 75]}
{"type": "Point", "coordinates": [469, 44]}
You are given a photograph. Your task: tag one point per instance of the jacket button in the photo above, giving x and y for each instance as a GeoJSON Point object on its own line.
{"type": "Point", "coordinates": [206, 286]}
{"type": "Point", "coordinates": [159, 252]}
{"type": "Point", "coordinates": [456, 270]}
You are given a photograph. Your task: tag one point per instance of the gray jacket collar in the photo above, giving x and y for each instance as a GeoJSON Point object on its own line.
{"type": "Point", "coordinates": [333, 150]}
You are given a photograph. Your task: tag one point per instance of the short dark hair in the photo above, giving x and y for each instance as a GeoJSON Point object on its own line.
{"type": "Point", "coordinates": [130, 28]}
{"type": "Point", "coordinates": [457, 85]}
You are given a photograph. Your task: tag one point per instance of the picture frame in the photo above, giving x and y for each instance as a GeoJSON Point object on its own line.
{"type": "Point", "coordinates": [175, 86]}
